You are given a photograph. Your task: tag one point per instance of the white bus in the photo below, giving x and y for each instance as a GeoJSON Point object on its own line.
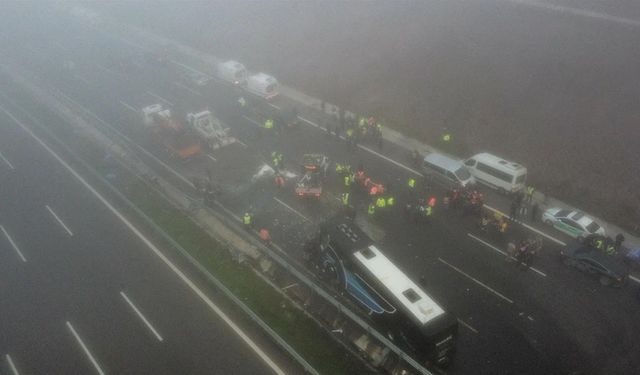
{"type": "Point", "coordinates": [409, 315]}
{"type": "Point", "coordinates": [497, 173]}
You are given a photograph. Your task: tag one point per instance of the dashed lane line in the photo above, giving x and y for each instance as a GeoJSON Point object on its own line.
{"type": "Point", "coordinates": [84, 348]}
{"type": "Point", "coordinates": [495, 292]}
{"type": "Point", "coordinates": [211, 157]}
{"type": "Point", "coordinates": [187, 88]}
{"type": "Point", "coordinates": [62, 224]}
{"type": "Point", "coordinates": [7, 162]}
{"type": "Point", "coordinates": [12, 366]}
{"type": "Point", "coordinates": [291, 209]}
{"type": "Point", "coordinates": [467, 325]}
{"type": "Point", "coordinates": [129, 107]}
{"type": "Point", "coordinates": [259, 352]}
{"type": "Point", "coordinates": [13, 244]}
{"type": "Point", "coordinates": [160, 98]}
{"type": "Point", "coordinates": [504, 253]}
{"type": "Point", "coordinates": [141, 316]}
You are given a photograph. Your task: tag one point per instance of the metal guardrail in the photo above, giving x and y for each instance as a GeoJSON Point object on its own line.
{"type": "Point", "coordinates": [281, 261]}
{"type": "Point", "coordinates": [253, 316]}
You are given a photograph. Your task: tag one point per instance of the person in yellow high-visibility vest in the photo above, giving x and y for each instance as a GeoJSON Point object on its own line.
{"type": "Point", "coordinates": [268, 124]}
{"type": "Point", "coordinates": [371, 209]}
{"type": "Point", "coordinates": [345, 198]}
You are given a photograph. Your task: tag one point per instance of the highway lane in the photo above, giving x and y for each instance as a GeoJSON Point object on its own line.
{"type": "Point", "coordinates": [496, 273]}
{"type": "Point", "coordinates": [132, 314]}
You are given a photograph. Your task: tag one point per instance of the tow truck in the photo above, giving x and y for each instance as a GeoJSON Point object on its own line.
{"type": "Point", "coordinates": [173, 135]}
{"type": "Point", "coordinates": [213, 134]}
{"type": "Point", "coordinates": [314, 167]}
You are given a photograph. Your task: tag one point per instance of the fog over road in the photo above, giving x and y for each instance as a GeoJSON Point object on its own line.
{"type": "Point", "coordinates": [550, 84]}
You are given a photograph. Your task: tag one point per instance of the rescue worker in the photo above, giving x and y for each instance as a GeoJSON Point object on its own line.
{"type": "Point", "coordinates": [345, 199]}
{"type": "Point", "coordinates": [242, 102]}
{"type": "Point", "coordinates": [362, 122]}
{"type": "Point", "coordinates": [350, 139]}
{"type": "Point", "coordinates": [411, 185]}
{"type": "Point", "coordinates": [599, 243]}
{"type": "Point", "coordinates": [428, 211]}
{"type": "Point", "coordinates": [279, 180]}
{"type": "Point", "coordinates": [247, 220]}
{"type": "Point", "coordinates": [347, 180]}
{"type": "Point", "coordinates": [431, 202]}
{"type": "Point", "coordinates": [265, 237]}
{"type": "Point", "coordinates": [268, 124]}
{"type": "Point", "coordinates": [446, 137]}
{"type": "Point", "coordinates": [339, 168]}
{"type": "Point", "coordinates": [381, 202]}
{"type": "Point", "coordinates": [371, 209]}
{"type": "Point", "coordinates": [611, 249]}
{"type": "Point", "coordinates": [374, 189]}
{"type": "Point", "coordinates": [390, 201]}
{"type": "Point", "coordinates": [529, 194]}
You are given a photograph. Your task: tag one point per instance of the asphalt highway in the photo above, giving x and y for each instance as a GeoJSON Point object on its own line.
{"type": "Point", "coordinates": [550, 319]}
{"type": "Point", "coordinates": [83, 292]}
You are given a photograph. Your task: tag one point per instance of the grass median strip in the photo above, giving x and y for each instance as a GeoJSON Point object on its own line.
{"type": "Point", "coordinates": [301, 332]}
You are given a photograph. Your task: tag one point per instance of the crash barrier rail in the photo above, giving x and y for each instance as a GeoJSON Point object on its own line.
{"type": "Point", "coordinates": [134, 149]}
{"type": "Point", "coordinates": [218, 284]}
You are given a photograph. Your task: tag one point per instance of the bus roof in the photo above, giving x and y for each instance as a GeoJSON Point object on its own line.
{"type": "Point", "coordinates": [414, 300]}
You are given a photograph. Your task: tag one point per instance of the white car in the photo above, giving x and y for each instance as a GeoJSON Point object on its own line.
{"type": "Point", "coordinates": [574, 223]}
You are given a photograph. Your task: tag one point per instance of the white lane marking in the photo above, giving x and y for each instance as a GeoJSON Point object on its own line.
{"type": "Point", "coordinates": [7, 162]}
{"type": "Point", "coordinates": [141, 316]}
{"type": "Point", "coordinates": [187, 88]}
{"type": "Point", "coordinates": [578, 12]}
{"type": "Point", "coordinates": [467, 325]}
{"type": "Point", "coordinates": [13, 244]}
{"type": "Point", "coordinates": [107, 70]}
{"type": "Point", "coordinates": [81, 78]}
{"type": "Point", "coordinates": [292, 209]}
{"type": "Point", "coordinates": [504, 253]}
{"type": "Point", "coordinates": [211, 157]}
{"type": "Point", "coordinates": [527, 226]}
{"type": "Point", "coordinates": [390, 160]}
{"type": "Point", "coordinates": [85, 349]}
{"type": "Point", "coordinates": [156, 251]}
{"type": "Point", "coordinates": [634, 279]}
{"type": "Point", "coordinates": [12, 365]}
{"type": "Point", "coordinates": [128, 107]}
{"type": "Point", "coordinates": [251, 120]}
{"type": "Point", "coordinates": [59, 220]}
{"type": "Point", "coordinates": [476, 281]}
{"type": "Point", "coordinates": [159, 98]}
{"type": "Point", "coordinates": [242, 143]}
{"type": "Point", "coordinates": [193, 70]}
{"type": "Point", "coordinates": [366, 149]}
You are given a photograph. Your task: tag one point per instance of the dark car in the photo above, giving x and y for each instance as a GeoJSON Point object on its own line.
{"type": "Point", "coordinates": [610, 270]}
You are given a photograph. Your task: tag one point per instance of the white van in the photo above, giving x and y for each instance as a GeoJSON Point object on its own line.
{"type": "Point", "coordinates": [449, 171]}
{"type": "Point", "coordinates": [263, 85]}
{"type": "Point", "coordinates": [232, 72]}
{"type": "Point", "coordinates": [495, 172]}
